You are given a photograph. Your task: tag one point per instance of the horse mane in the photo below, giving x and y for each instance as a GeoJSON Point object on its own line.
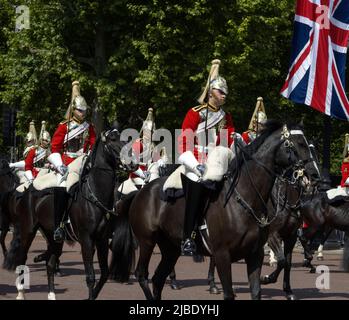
{"type": "Point", "coordinates": [90, 160]}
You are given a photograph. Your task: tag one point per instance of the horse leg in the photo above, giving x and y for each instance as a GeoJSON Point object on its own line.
{"type": "Point", "coordinates": [254, 267]}
{"type": "Point", "coordinates": [142, 273]}
{"type": "Point", "coordinates": [169, 256]}
{"type": "Point", "coordinates": [50, 267]}
{"type": "Point", "coordinates": [173, 281]}
{"type": "Point", "coordinates": [102, 253]}
{"type": "Point", "coordinates": [87, 250]}
{"type": "Point", "coordinates": [288, 249]}
{"type": "Point", "coordinates": [26, 241]}
{"type": "Point", "coordinates": [275, 245]}
{"type": "Point", "coordinates": [223, 264]}
{"type": "Point", "coordinates": [3, 233]}
{"type": "Point", "coordinates": [308, 257]}
{"type": "Point", "coordinates": [210, 276]}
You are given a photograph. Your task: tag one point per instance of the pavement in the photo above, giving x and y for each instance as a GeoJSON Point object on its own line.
{"type": "Point", "coordinates": [191, 276]}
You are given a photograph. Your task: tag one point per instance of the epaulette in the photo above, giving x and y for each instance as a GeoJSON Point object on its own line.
{"type": "Point", "coordinates": [346, 160]}
{"type": "Point", "coordinates": [199, 107]}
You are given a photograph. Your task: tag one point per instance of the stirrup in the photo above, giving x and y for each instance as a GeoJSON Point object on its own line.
{"type": "Point", "coordinates": [59, 235]}
{"type": "Point", "coordinates": [188, 247]}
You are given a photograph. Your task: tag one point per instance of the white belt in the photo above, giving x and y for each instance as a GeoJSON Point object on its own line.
{"type": "Point", "coordinates": [74, 154]}
{"type": "Point", "coordinates": [201, 148]}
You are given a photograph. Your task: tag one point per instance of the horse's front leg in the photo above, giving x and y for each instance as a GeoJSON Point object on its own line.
{"type": "Point", "coordinates": [223, 264]}
{"type": "Point", "coordinates": [87, 250]}
{"type": "Point", "coordinates": [210, 277]}
{"type": "Point", "coordinates": [288, 248]}
{"type": "Point", "coordinates": [50, 267]}
{"type": "Point", "coordinates": [254, 266]}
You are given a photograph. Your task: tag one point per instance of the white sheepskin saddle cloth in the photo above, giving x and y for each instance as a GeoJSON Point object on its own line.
{"type": "Point", "coordinates": [130, 184]}
{"type": "Point", "coordinates": [337, 192]}
{"type": "Point", "coordinates": [53, 179]}
{"type": "Point", "coordinates": [216, 166]}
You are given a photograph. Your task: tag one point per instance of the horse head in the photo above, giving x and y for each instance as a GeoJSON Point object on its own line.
{"type": "Point", "coordinates": [115, 148]}
{"type": "Point", "coordinates": [295, 154]}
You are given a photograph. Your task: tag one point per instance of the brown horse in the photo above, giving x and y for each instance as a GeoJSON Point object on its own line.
{"type": "Point", "coordinates": [235, 217]}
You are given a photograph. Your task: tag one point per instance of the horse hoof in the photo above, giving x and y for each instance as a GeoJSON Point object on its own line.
{"type": "Point", "coordinates": [312, 270]}
{"type": "Point", "coordinates": [38, 259]}
{"type": "Point", "coordinates": [214, 290]}
{"type": "Point", "coordinates": [51, 296]}
{"type": "Point", "coordinates": [58, 274]}
{"type": "Point", "coordinates": [291, 297]}
{"type": "Point", "coordinates": [320, 258]}
{"type": "Point", "coordinates": [265, 280]}
{"type": "Point", "coordinates": [174, 286]}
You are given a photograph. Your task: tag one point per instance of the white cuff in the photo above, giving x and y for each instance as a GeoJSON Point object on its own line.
{"type": "Point", "coordinates": [19, 165]}
{"type": "Point", "coordinates": [29, 175]}
{"type": "Point", "coordinates": [139, 172]}
{"type": "Point", "coordinates": [347, 182]}
{"type": "Point", "coordinates": [56, 159]}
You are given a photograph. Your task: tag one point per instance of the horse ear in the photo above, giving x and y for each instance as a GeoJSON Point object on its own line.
{"type": "Point", "coordinates": [301, 123]}
{"type": "Point", "coordinates": [103, 138]}
{"type": "Point", "coordinates": [115, 125]}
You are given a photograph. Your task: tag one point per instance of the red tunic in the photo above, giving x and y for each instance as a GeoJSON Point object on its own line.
{"type": "Point", "coordinates": [345, 173]}
{"type": "Point", "coordinates": [246, 137]}
{"type": "Point", "coordinates": [57, 143]}
{"type": "Point", "coordinates": [192, 121]}
{"type": "Point", "coordinates": [137, 148]}
{"type": "Point", "coordinates": [29, 162]}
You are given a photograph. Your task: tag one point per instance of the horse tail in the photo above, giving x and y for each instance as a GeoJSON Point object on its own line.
{"type": "Point", "coordinates": [123, 243]}
{"type": "Point", "coordinates": [346, 253]}
{"type": "Point", "coordinates": [14, 256]}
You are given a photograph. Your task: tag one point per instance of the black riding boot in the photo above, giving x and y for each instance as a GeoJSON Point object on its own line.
{"type": "Point", "coordinates": [60, 204]}
{"type": "Point", "coordinates": [196, 197]}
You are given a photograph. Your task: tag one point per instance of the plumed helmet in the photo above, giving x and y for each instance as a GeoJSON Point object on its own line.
{"type": "Point", "coordinates": [44, 135]}
{"type": "Point", "coordinates": [31, 137]}
{"type": "Point", "coordinates": [77, 100]}
{"type": "Point", "coordinates": [214, 81]}
{"type": "Point", "coordinates": [259, 116]}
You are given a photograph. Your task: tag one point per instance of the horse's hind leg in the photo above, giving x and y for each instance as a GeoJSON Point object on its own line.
{"type": "Point", "coordinates": [102, 253]}
{"type": "Point", "coordinates": [142, 273]}
{"type": "Point", "coordinates": [211, 281]}
{"type": "Point", "coordinates": [173, 280]}
{"type": "Point", "coordinates": [169, 257]}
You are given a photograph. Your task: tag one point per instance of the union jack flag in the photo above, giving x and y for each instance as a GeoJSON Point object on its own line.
{"type": "Point", "coordinates": [317, 74]}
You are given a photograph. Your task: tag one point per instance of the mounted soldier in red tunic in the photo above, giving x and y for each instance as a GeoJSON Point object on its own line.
{"type": "Point", "coordinates": [73, 138]}
{"type": "Point", "coordinates": [257, 122]}
{"type": "Point", "coordinates": [37, 156]}
{"type": "Point", "coordinates": [216, 127]}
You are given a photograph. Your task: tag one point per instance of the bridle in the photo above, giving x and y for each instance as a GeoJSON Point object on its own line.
{"type": "Point", "coordinates": [118, 161]}
{"type": "Point", "coordinates": [296, 168]}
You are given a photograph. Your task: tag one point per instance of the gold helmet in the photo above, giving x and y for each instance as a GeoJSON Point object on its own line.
{"type": "Point", "coordinates": [146, 133]}
{"type": "Point", "coordinates": [77, 100]}
{"type": "Point", "coordinates": [44, 135]}
{"type": "Point", "coordinates": [346, 147]}
{"type": "Point", "coordinates": [259, 116]}
{"type": "Point", "coordinates": [214, 81]}
{"type": "Point", "coordinates": [31, 137]}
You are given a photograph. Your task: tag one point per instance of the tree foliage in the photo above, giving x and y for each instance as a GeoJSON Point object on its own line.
{"type": "Point", "coordinates": [130, 55]}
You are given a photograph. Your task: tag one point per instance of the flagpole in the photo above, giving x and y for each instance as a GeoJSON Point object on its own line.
{"type": "Point", "coordinates": [326, 151]}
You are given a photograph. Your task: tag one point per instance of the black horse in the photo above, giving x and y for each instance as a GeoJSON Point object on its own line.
{"type": "Point", "coordinates": [238, 225]}
{"type": "Point", "coordinates": [321, 213]}
{"type": "Point", "coordinates": [89, 211]}
{"type": "Point", "coordinates": [8, 183]}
